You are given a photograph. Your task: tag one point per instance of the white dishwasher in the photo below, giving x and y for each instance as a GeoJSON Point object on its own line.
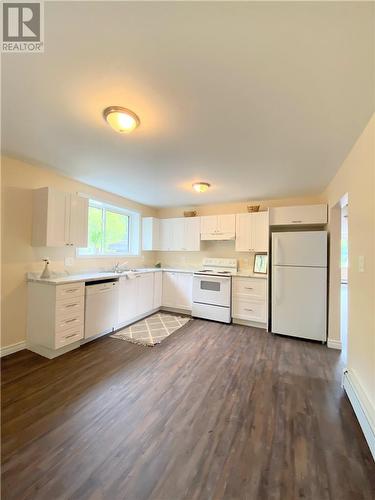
{"type": "Point", "coordinates": [101, 306]}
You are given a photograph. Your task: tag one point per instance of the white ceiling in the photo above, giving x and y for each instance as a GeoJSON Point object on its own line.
{"type": "Point", "coordinates": [262, 100]}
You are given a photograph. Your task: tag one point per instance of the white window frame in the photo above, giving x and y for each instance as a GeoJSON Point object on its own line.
{"type": "Point", "coordinates": [134, 231]}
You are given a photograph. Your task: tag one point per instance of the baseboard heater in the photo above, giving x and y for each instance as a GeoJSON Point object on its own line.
{"type": "Point", "coordinates": [359, 410]}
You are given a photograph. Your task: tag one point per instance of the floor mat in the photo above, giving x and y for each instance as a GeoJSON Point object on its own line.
{"type": "Point", "coordinates": [152, 330]}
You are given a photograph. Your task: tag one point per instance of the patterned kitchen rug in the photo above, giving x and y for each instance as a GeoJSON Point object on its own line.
{"type": "Point", "coordinates": [152, 330]}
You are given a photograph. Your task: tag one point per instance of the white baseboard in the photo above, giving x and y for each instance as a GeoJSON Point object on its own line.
{"type": "Point", "coordinates": [10, 349]}
{"type": "Point", "coordinates": [363, 408]}
{"type": "Point", "coordinates": [334, 344]}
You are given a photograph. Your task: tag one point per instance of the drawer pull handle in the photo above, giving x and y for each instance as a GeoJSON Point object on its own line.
{"type": "Point", "coordinates": [71, 290]}
{"type": "Point", "coordinates": [249, 288]}
{"type": "Point", "coordinates": [71, 335]}
{"type": "Point", "coordinates": [72, 305]}
{"type": "Point", "coordinates": [247, 309]}
{"type": "Point", "coordinates": [70, 320]}
{"type": "Point", "coordinates": [296, 221]}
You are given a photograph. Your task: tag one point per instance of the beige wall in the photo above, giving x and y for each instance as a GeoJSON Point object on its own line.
{"type": "Point", "coordinates": [356, 177]}
{"type": "Point", "coordinates": [224, 249]}
{"type": "Point", "coordinates": [19, 257]}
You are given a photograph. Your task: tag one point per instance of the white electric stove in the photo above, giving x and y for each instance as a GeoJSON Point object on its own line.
{"type": "Point", "coordinates": [212, 287]}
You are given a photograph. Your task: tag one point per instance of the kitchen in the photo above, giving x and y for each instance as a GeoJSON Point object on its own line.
{"type": "Point", "coordinates": [66, 310]}
{"type": "Point", "coordinates": [174, 180]}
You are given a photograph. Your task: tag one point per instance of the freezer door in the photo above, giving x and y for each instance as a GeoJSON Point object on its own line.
{"type": "Point", "coordinates": [305, 248]}
{"type": "Point", "coordinates": [299, 301]}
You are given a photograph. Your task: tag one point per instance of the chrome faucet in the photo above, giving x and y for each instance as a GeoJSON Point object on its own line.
{"type": "Point", "coordinates": [120, 268]}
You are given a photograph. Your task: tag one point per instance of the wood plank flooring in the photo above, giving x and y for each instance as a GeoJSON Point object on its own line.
{"type": "Point", "coordinates": [214, 412]}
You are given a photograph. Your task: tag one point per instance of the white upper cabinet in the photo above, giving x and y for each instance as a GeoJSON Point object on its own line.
{"type": "Point", "coordinates": [78, 220]}
{"type": "Point", "coordinates": [150, 233]}
{"type": "Point", "coordinates": [180, 234]}
{"type": "Point", "coordinates": [252, 232]}
{"type": "Point", "coordinates": [218, 227]}
{"type": "Point", "coordinates": [59, 219]}
{"type": "Point", "coordinates": [299, 215]}
{"type": "Point", "coordinates": [192, 230]}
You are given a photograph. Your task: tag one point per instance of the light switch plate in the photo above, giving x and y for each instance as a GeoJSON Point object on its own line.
{"type": "Point", "coordinates": [361, 263]}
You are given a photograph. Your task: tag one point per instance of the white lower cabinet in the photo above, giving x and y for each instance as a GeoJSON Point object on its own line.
{"type": "Point", "coordinates": [136, 297]}
{"type": "Point", "coordinates": [177, 290]}
{"type": "Point", "coordinates": [158, 289]}
{"type": "Point", "coordinates": [55, 318]}
{"type": "Point", "coordinates": [249, 299]}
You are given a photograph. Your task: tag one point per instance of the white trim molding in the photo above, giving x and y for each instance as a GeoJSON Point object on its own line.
{"type": "Point", "coordinates": [362, 406]}
{"type": "Point", "coordinates": [334, 344]}
{"type": "Point", "coordinates": [10, 349]}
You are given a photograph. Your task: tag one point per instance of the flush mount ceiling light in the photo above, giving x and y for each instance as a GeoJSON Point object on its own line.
{"type": "Point", "coordinates": [201, 187]}
{"type": "Point", "coordinates": [121, 119]}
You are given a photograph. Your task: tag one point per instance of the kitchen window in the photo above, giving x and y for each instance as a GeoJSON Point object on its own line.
{"type": "Point", "coordinates": [112, 231]}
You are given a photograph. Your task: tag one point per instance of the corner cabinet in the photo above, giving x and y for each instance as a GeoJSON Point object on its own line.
{"type": "Point", "coordinates": [59, 219]}
{"type": "Point", "coordinates": [177, 290]}
{"type": "Point", "coordinates": [252, 232]}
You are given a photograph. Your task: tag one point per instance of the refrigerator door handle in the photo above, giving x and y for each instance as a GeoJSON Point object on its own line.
{"type": "Point", "coordinates": [278, 286]}
{"type": "Point", "coordinates": [277, 249]}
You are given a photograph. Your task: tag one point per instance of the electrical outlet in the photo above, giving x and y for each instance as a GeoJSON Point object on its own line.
{"type": "Point", "coordinates": [69, 261]}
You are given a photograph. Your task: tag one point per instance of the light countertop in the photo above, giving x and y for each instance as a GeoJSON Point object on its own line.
{"type": "Point", "coordinates": [62, 279]}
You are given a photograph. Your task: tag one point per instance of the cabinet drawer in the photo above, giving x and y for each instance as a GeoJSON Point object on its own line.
{"type": "Point", "coordinates": [251, 310]}
{"type": "Point", "coordinates": [69, 336]}
{"type": "Point", "coordinates": [68, 322]}
{"type": "Point", "coordinates": [70, 290]}
{"type": "Point", "coordinates": [67, 307]}
{"type": "Point", "coordinates": [251, 287]}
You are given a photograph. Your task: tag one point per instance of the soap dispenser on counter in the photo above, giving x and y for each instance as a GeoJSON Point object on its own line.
{"type": "Point", "coordinates": [46, 273]}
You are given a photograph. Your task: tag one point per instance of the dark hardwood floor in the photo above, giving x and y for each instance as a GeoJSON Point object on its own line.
{"type": "Point", "coordinates": [214, 412]}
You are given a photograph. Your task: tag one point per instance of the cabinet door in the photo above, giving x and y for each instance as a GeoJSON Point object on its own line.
{"type": "Point", "coordinates": [177, 234]}
{"type": "Point", "coordinates": [170, 289]}
{"type": "Point", "coordinates": [165, 234]}
{"type": "Point", "coordinates": [127, 304]}
{"type": "Point", "coordinates": [192, 237]}
{"type": "Point", "coordinates": [243, 233]}
{"type": "Point", "coordinates": [57, 219]}
{"type": "Point", "coordinates": [78, 220]}
{"type": "Point", "coordinates": [259, 232]}
{"type": "Point", "coordinates": [298, 215]}
{"type": "Point", "coordinates": [158, 289]}
{"type": "Point", "coordinates": [184, 291]}
{"type": "Point", "coordinates": [150, 233]}
{"type": "Point", "coordinates": [145, 293]}
{"type": "Point", "coordinates": [208, 224]}
{"type": "Point", "coordinates": [226, 223]}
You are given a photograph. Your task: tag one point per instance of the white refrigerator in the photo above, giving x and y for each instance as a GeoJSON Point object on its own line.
{"type": "Point", "coordinates": [299, 284]}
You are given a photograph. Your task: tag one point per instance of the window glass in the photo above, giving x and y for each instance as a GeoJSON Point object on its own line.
{"type": "Point", "coordinates": [116, 233]}
{"type": "Point", "coordinates": [111, 231]}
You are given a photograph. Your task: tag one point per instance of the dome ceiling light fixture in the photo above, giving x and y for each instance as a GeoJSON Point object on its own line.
{"type": "Point", "coordinates": [201, 187]}
{"type": "Point", "coordinates": [121, 119]}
